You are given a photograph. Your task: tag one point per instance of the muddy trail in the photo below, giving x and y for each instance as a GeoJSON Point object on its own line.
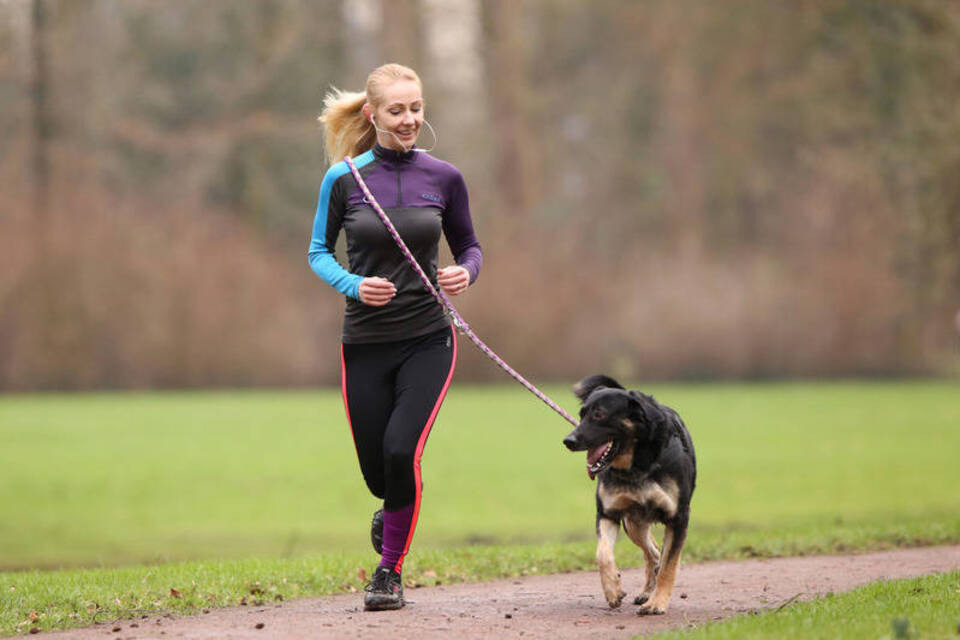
{"type": "Point", "coordinates": [551, 607]}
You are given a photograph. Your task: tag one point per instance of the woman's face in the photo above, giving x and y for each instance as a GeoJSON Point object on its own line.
{"type": "Point", "coordinates": [401, 113]}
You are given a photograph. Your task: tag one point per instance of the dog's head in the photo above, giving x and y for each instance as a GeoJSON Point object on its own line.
{"type": "Point", "coordinates": [612, 421]}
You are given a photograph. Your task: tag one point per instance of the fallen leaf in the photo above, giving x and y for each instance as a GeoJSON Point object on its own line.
{"type": "Point", "coordinates": [174, 593]}
{"type": "Point", "coordinates": [361, 574]}
{"type": "Point", "coordinates": [33, 616]}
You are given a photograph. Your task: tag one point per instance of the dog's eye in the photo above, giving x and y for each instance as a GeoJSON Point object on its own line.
{"type": "Point", "coordinates": [599, 415]}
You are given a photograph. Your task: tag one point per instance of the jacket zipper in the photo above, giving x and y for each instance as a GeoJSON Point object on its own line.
{"type": "Point", "coordinates": [399, 193]}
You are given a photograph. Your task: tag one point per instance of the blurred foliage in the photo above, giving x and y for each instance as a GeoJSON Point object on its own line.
{"type": "Point", "coordinates": [673, 189]}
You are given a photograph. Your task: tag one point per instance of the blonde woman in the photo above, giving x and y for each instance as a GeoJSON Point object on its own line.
{"type": "Point", "coordinates": [398, 348]}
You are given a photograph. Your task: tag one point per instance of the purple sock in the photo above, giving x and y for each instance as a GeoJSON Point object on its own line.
{"type": "Point", "coordinates": [396, 529]}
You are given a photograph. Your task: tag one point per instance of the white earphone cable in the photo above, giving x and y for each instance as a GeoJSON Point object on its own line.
{"type": "Point", "coordinates": [397, 138]}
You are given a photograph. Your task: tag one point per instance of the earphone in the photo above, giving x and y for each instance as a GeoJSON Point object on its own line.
{"type": "Point", "coordinates": [379, 130]}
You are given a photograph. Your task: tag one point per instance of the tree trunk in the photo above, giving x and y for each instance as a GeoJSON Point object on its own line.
{"type": "Point", "coordinates": [40, 164]}
{"type": "Point", "coordinates": [401, 32]}
{"type": "Point", "coordinates": [505, 76]}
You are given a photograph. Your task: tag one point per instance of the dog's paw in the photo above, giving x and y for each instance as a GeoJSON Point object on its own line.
{"type": "Point", "coordinates": [640, 599]}
{"type": "Point", "coordinates": [615, 602]}
{"type": "Point", "coordinates": [650, 610]}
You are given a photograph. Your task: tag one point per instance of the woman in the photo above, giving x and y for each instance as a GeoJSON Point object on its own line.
{"type": "Point", "coordinates": [398, 349]}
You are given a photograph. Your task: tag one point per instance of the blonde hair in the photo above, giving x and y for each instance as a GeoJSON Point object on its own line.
{"type": "Point", "coordinates": [347, 132]}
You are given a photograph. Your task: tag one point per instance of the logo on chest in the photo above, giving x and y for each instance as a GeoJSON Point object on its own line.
{"type": "Point", "coordinates": [433, 197]}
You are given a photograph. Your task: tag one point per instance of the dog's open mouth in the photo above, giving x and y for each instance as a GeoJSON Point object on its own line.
{"type": "Point", "coordinates": [598, 458]}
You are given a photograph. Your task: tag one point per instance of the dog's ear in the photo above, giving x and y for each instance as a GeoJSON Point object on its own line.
{"type": "Point", "coordinates": [591, 383]}
{"type": "Point", "coordinates": [649, 412]}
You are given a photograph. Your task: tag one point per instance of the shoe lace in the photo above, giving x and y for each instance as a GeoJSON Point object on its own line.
{"type": "Point", "coordinates": [380, 579]}
{"type": "Point", "coordinates": [394, 582]}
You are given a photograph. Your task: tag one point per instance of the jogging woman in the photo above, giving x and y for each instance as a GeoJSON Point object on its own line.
{"type": "Point", "coordinates": [398, 348]}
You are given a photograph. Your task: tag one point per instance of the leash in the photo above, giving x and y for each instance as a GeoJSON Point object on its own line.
{"type": "Point", "coordinates": [444, 301]}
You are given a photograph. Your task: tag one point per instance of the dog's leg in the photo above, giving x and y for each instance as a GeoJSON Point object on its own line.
{"type": "Point", "coordinates": [673, 539]}
{"type": "Point", "coordinates": [607, 531]}
{"type": "Point", "coordinates": [642, 536]}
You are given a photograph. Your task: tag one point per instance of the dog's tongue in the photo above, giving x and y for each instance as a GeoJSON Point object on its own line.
{"type": "Point", "coordinates": [593, 455]}
{"type": "Point", "coordinates": [596, 453]}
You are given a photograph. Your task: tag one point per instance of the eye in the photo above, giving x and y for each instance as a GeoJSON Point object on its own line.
{"type": "Point", "coordinates": [395, 112]}
{"type": "Point", "coordinates": [599, 414]}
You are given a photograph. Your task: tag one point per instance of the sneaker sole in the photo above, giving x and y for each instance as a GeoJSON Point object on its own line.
{"type": "Point", "coordinates": [383, 605]}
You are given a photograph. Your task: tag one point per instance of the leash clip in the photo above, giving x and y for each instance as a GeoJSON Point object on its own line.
{"type": "Point", "coordinates": [458, 324]}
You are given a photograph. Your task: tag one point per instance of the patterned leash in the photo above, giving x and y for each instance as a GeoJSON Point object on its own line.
{"type": "Point", "coordinates": [444, 301]}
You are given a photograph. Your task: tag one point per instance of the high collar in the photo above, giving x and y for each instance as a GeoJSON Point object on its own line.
{"type": "Point", "coordinates": [390, 155]}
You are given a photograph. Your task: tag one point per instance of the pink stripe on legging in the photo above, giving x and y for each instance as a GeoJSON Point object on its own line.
{"type": "Point", "coordinates": [419, 453]}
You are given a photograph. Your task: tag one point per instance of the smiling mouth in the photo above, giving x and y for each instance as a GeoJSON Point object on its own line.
{"type": "Point", "coordinates": [598, 458]}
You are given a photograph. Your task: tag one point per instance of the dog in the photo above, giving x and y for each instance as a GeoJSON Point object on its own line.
{"type": "Point", "coordinates": [643, 457]}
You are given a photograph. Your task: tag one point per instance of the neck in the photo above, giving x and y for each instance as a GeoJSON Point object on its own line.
{"type": "Point", "coordinates": [393, 154]}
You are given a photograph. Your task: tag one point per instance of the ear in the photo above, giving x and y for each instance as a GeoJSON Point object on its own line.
{"type": "Point", "coordinates": [367, 111]}
{"type": "Point", "coordinates": [591, 383]}
{"type": "Point", "coordinates": [648, 411]}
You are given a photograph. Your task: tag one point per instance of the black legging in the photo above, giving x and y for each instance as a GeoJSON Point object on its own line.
{"type": "Point", "coordinates": [392, 392]}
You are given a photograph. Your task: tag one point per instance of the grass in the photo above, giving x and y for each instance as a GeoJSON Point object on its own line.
{"type": "Point", "coordinates": [173, 480]}
{"type": "Point", "coordinates": [913, 608]}
{"type": "Point", "coordinates": [62, 599]}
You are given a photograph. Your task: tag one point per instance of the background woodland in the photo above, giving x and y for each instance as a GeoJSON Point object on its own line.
{"type": "Point", "coordinates": [672, 189]}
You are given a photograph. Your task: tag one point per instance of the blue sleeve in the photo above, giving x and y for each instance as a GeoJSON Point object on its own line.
{"type": "Point", "coordinates": [326, 228]}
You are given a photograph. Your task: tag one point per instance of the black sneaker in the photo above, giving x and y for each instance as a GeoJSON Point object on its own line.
{"type": "Point", "coordinates": [376, 531]}
{"type": "Point", "coordinates": [384, 592]}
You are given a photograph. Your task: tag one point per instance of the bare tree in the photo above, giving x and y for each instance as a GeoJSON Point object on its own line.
{"type": "Point", "coordinates": [503, 20]}
{"type": "Point", "coordinates": [401, 32]}
{"type": "Point", "coordinates": [40, 111]}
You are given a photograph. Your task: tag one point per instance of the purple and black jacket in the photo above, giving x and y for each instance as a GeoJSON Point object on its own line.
{"type": "Point", "coordinates": [422, 196]}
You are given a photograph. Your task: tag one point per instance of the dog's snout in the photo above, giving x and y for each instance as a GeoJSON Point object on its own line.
{"type": "Point", "coordinates": [572, 442]}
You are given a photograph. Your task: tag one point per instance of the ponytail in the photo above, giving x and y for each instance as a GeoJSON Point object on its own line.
{"type": "Point", "coordinates": [347, 131]}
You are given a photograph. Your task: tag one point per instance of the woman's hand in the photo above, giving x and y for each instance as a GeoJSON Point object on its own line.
{"type": "Point", "coordinates": [376, 291]}
{"type": "Point", "coordinates": [453, 280]}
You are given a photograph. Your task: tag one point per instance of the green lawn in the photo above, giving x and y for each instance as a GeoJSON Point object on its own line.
{"type": "Point", "coordinates": [263, 487]}
{"type": "Point", "coordinates": [110, 479]}
{"type": "Point", "coordinates": [924, 607]}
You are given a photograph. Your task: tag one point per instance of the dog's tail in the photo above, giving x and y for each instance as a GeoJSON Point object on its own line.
{"type": "Point", "coordinates": [591, 383]}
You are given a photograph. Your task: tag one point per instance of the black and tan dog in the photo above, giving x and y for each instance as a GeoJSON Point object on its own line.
{"type": "Point", "coordinates": [643, 456]}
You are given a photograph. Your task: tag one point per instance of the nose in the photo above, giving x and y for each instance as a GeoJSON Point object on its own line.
{"type": "Point", "coordinates": [572, 441]}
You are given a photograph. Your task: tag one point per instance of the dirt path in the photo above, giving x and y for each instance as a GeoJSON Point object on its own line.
{"type": "Point", "coordinates": [550, 607]}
